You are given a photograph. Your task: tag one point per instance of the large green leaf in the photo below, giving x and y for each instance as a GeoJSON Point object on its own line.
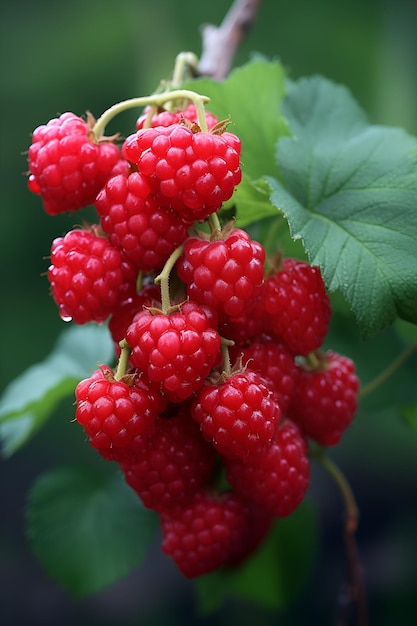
{"type": "Point", "coordinates": [251, 96]}
{"type": "Point", "coordinates": [349, 192]}
{"type": "Point", "coordinates": [409, 414]}
{"type": "Point", "coordinates": [87, 530]}
{"type": "Point", "coordinates": [274, 575]}
{"type": "Point", "coordinates": [30, 399]}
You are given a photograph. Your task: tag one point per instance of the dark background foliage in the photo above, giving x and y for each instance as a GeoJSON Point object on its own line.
{"type": "Point", "coordinates": [90, 54]}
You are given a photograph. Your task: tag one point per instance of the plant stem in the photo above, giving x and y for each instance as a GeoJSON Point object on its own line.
{"type": "Point", "coordinates": [155, 99]}
{"type": "Point", "coordinates": [389, 371]}
{"type": "Point", "coordinates": [163, 278]}
{"type": "Point", "coordinates": [139, 282]}
{"type": "Point", "coordinates": [356, 589]}
{"type": "Point", "coordinates": [123, 362]}
{"type": "Point", "coordinates": [227, 366]}
{"type": "Point", "coordinates": [214, 223]}
{"type": "Point", "coordinates": [201, 115]}
{"type": "Point", "coordinates": [184, 62]}
{"type": "Point", "coordinates": [270, 241]}
{"type": "Point", "coordinates": [313, 361]}
{"type": "Point", "coordinates": [351, 509]}
{"type": "Point", "coordinates": [220, 43]}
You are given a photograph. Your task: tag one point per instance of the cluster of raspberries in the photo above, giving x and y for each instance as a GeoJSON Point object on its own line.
{"type": "Point", "coordinates": [211, 419]}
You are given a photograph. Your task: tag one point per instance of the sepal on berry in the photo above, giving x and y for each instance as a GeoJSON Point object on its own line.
{"type": "Point", "coordinates": [116, 414]}
{"type": "Point", "coordinates": [238, 414]}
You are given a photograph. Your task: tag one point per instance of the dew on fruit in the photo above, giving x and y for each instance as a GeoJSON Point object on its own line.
{"type": "Point", "coordinates": [64, 315]}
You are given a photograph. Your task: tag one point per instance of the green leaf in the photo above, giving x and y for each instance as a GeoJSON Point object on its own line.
{"type": "Point", "coordinates": [275, 574]}
{"type": "Point", "coordinates": [252, 203]}
{"type": "Point", "coordinates": [251, 96]}
{"type": "Point", "coordinates": [409, 414]}
{"type": "Point", "coordinates": [349, 193]}
{"type": "Point", "coordinates": [87, 530]}
{"type": "Point", "coordinates": [30, 399]}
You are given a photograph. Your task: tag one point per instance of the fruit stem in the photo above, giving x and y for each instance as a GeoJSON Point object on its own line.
{"type": "Point", "coordinates": [163, 278]}
{"type": "Point", "coordinates": [214, 223]}
{"type": "Point", "coordinates": [270, 241]}
{"type": "Point", "coordinates": [139, 282]}
{"type": "Point", "coordinates": [201, 115]}
{"type": "Point", "coordinates": [389, 371]}
{"type": "Point", "coordinates": [184, 63]}
{"type": "Point", "coordinates": [156, 100]}
{"type": "Point", "coordinates": [123, 362]}
{"type": "Point", "coordinates": [351, 509]}
{"type": "Point", "coordinates": [227, 366]}
{"type": "Point", "coordinates": [356, 584]}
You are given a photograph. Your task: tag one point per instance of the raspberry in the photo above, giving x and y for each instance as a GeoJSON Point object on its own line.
{"type": "Point", "coordinates": [167, 118]}
{"type": "Point", "coordinates": [136, 224]}
{"type": "Point", "coordinates": [239, 415]}
{"type": "Point", "coordinates": [191, 172]}
{"type": "Point", "coordinates": [123, 315]}
{"type": "Point", "coordinates": [67, 165]}
{"type": "Point", "coordinates": [172, 465]}
{"type": "Point", "coordinates": [275, 364]}
{"type": "Point", "coordinates": [205, 535]}
{"type": "Point", "coordinates": [226, 274]}
{"type": "Point", "coordinates": [326, 399]}
{"type": "Point", "coordinates": [298, 306]}
{"type": "Point", "coordinates": [258, 524]}
{"type": "Point", "coordinates": [244, 329]}
{"type": "Point", "coordinates": [277, 480]}
{"type": "Point", "coordinates": [116, 413]}
{"type": "Point", "coordinates": [88, 276]}
{"type": "Point", "coordinates": [175, 351]}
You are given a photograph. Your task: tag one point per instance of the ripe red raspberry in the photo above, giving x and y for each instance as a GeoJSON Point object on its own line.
{"type": "Point", "coordinates": [167, 118]}
{"type": "Point", "coordinates": [226, 273]}
{"type": "Point", "coordinates": [172, 465]}
{"type": "Point", "coordinates": [191, 172]}
{"type": "Point", "coordinates": [123, 315]}
{"type": "Point", "coordinates": [88, 276]}
{"type": "Point", "coordinates": [135, 223]}
{"type": "Point", "coordinates": [244, 329]}
{"type": "Point", "coordinates": [68, 165]}
{"type": "Point", "coordinates": [205, 535]}
{"type": "Point", "coordinates": [277, 480]}
{"type": "Point", "coordinates": [239, 415]}
{"type": "Point", "coordinates": [175, 351]}
{"type": "Point", "coordinates": [326, 398]}
{"type": "Point", "coordinates": [298, 306]}
{"type": "Point", "coordinates": [274, 363]}
{"type": "Point", "coordinates": [116, 414]}
{"type": "Point", "coordinates": [258, 524]}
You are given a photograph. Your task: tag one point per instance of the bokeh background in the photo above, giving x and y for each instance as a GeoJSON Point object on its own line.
{"type": "Point", "coordinates": [89, 54]}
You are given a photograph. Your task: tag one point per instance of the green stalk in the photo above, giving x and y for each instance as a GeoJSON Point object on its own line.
{"type": "Point", "coordinates": [389, 371]}
{"type": "Point", "coordinates": [214, 223]}
{"type": "Point", "coordinates": [183, 63]}
{"type": "Point", "coordinates": [163, 278]}
{"type": "Point", "coordinates": [156, 100]}
{"type": "Point", "coordinates": [123, 363]}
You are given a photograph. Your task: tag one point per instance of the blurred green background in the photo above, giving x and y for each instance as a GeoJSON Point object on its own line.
{"type": "Point", "coordinates": [90, 54]}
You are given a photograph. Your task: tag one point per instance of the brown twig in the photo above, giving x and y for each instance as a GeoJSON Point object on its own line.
{"type": "Point", "coordinates": [219, 44]}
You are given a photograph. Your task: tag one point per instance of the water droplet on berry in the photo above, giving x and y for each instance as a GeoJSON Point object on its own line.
{"type": "Point", "coordinates": [33, 185]}
{"type": "Point", "coordinates": [64, 315]}
{"type": "Point", "coordinates": [66, 318]}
